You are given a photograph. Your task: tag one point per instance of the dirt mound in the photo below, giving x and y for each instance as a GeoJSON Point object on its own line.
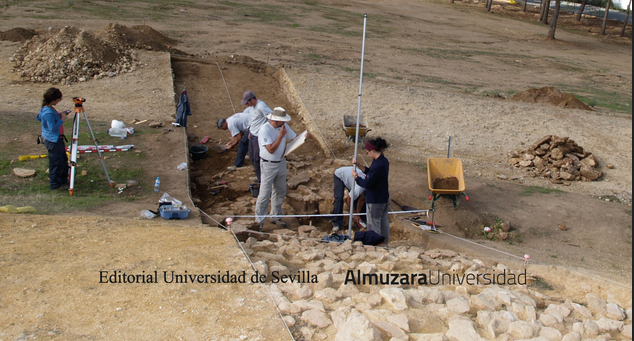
{"type": "Point", "coordinates": [140, 37]}
{"type": "Point", "coordinates": [557, 158]}
{"type": "Point", "coordinates": [71, 55]}
{"type": "Point", "coordinates": [17, 34]}
{"type": "Point", "coordinates": [551, 95]}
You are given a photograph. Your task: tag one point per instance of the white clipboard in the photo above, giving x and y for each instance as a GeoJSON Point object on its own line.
{"type": "Point", "coordinates": [296, 142]}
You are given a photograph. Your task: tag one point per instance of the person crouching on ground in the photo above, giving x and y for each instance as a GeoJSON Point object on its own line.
{"type": "Point", "coordinates": [238, 125]}
{"type": "Point", "coordinates": [258, 111]}
{"type": "Point", "coordinates": [376, 187]}
{"type": "Point", "coordinates": [343, 179]}
{"type": "Point", "coordinates": [53, 133]}
{"type": "Point", "coordinates": [272, 138]}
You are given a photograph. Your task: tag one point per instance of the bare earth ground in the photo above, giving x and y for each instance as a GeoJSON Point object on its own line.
{"type": "Point", "coordinates": [426, 61]}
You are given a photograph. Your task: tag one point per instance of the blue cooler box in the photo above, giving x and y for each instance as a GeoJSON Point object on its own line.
{"type": "Point", "coordinates": [174, 211]}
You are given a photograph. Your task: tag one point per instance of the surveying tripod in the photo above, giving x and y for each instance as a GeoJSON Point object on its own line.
{"type": "Point", "coordinates": [79, 109]}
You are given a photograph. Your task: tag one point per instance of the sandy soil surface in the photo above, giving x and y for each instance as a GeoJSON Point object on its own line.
{"type": "Point", "coordinates": [428, 65]}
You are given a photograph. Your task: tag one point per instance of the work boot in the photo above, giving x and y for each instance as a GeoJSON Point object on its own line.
{"type": "Point", "coordinates": [336, 228]}
{"type": "Point", "coordinates": [231, 168]}
{"type": "Point", "coordinates": [278, 222]}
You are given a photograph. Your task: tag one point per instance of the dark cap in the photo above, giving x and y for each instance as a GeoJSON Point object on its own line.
{"type": "Point", "coordinates": [221, 121]}
{"type": "Point", "coordinates": [247, 97]}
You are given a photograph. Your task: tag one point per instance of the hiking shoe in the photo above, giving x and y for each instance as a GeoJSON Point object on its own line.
{"type": "Point", "coordinates": [336, 228]}
{"type": "Point", "coordinates": [254, 179]}
{"type": "Point", "coordinates": [64, 187]}
{"type": "Point", "coordinates": [278, 222]}
{"type": "Point", "coordinates": [231, 168]}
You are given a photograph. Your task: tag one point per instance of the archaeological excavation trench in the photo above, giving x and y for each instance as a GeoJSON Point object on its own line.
{"type": "Point", "coordinates": [309, 170]}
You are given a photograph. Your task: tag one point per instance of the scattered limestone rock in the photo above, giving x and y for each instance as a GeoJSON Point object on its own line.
{"type": "Point", "coordinates": [316, 318]}
{"type": "Point", "coordinates": [627, 331]}
{"type": "Point", "coordinates": [458, 305]}
{"type": "Point", "coordinates": [399, 320]}
{"type": "Point", "coordinates": [428, 337]}
{"type": "Point", "coordinates": [357, 327]}
{"type": "Point", "coordinates": [391, 330]}
{"type": "Point", "coordinates": [585, 312]}
{"type": "Point", "coordinates": [462, 330]}
{"type": "Point", "coordinates": [295, 181]}
{"type": "Point", "coordinates": [595, 304]}
{"type": "Point", "coordinates": [572, 336]}
{"type": "Point", "coordinates": [591, 328]}
{"type": "Point", "coordinates": [607, 325]}
{"type": "Point", "coordinates": [614, 312]}
{"type": "Point", "coordinates": [522, 330]}
{"type": "Point", "coordinates": [395, 297]}
{"type": "Point", "coordinates": [290, 321]}
{"type": "Point", "coordinates": [551, 334]}
{"type": "Point", "coordinates": [23, 172]}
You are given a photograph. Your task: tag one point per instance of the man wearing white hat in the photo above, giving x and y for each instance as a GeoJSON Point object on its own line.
{"type": "Point", "coordinates": [258, 111]}
{"type": "Point", "coordinates": [272, 139]}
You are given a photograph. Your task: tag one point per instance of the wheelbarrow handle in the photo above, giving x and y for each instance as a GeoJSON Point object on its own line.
{"type": "Point", "coordinates": [465, 195]}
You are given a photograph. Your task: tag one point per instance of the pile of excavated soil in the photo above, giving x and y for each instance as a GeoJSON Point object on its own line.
{"type": "Point", "coordinates": [450, 183]}
{"type": "Point", "coordinates": [17, 34]}
{"type": "Point", "coordinates": [71, 55]}
{"type": "Point", "coordinates": [140, 37]}
{"type": "Point", "coordinates": [551, 95]}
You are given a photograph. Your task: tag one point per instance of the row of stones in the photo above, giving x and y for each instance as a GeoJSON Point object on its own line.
{"type": "Point", "coordinates": [329, 307]}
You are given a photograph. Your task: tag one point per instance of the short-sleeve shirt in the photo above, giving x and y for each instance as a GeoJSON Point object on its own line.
{"type": "Point", "coordinates": [345, 175]}
{"type": "Point", "coordinates": [258, 116]}
{"type": "Point", "coordinates": [268, 135]}
{"type": "Point", "coordinates": [238, 123]}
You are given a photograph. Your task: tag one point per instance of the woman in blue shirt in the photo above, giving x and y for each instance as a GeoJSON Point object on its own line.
{"type": "Point", "coordinates": [377, 194]}
{"type": "Point", "coordinates": [53, 133]}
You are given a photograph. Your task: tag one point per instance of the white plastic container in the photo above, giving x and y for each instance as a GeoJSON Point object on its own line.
{"type": "Point", "coordinates": [117, 124]}
{"type": "Point", "coordinates": [118, 132]}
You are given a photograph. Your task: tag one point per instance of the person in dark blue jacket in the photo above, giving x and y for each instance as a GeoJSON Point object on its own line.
{"type": "Point", "coordinates": [377, 194]}
{"type": "Point", "coordinates": [53, 133]}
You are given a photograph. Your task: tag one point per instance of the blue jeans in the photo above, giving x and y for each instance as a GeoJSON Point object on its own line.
{"type": "Point", "coordinates": [57, 163]}
{"type": "Point", "coordinates": [338, 204]}
{"type": "Point", "coordinates": [339, 190]}
{"type": "Point", "coordinates": [243, 148]}
{"type": "Point", "coordinates": [254, 155]}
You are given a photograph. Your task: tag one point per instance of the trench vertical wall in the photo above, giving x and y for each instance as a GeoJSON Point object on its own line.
{"type": "Point", "coordinates": [293, 97]}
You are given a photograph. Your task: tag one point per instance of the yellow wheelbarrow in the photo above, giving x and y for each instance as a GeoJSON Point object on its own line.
{"type": "Point", "coordinates": [350, 127]}
{"type": "Point", "coordinates": [446, 178]}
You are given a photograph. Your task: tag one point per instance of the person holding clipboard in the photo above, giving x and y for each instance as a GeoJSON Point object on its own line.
{"type": "Point", "coordinates": [272, 139]}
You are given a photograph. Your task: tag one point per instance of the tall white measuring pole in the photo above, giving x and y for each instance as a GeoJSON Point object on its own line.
{"type": "Point", "coordinates": [356, 136]}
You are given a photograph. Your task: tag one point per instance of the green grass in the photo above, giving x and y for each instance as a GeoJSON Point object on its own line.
{"type": "Point", "coordinates": [596, 97]}
{"type": "Point", "coordinates": [312, 56]}
{"type": "Point", "coordinates": [91, 190]}
{"type": "Point", "coordinates": [530, 190]}
{"type": "Point", "coordinates": [435, 80]}
{"type": "Point", "coordinates": [423, 166]}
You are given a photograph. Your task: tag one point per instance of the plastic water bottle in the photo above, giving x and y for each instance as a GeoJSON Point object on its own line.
{"type": "Point", "coordinates": [118, 132]}
{"type": "Point", "coordinates": [157, 183]}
